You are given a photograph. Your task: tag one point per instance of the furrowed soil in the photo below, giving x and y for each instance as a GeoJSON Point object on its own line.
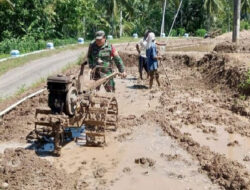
{"type": "Point", "coordinates": [194, 134]}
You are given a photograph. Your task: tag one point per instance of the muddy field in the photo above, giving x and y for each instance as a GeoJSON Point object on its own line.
{"type": "Point", "coordinates": [194, 134]}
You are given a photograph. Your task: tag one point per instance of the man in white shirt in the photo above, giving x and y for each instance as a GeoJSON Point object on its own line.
{"type": "Point", "coordinates": [141, 49]}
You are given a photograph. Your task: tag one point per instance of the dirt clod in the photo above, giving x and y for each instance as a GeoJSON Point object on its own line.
{"type": "Point", "coordinates": [99, 172]}
{"type": "Point", "coordinates": [234, 143]}
{"type": "Point", "coordinates": [145, 162]}
{"type": "Point", "coordinates": [246, 159]}
{"type": "Point", "coordinates": [126, 170]}
{"type": "Point", "coordinates": [27, 171]}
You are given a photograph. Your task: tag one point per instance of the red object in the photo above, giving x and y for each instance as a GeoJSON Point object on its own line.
{"type": "Point", "coordinates": [113, 50]}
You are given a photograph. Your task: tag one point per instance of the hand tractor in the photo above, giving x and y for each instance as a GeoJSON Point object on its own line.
{"type": "Point", "coordinates": [74, 103]}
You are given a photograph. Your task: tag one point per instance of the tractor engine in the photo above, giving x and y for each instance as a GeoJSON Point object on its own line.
{"type": "Point", "coordinates": [62, 93]}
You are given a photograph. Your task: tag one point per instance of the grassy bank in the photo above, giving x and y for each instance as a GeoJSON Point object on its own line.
{"type": "Point", "coordinates": [13, 63]}
{"type": "Point", "coordinates": [39, 84]}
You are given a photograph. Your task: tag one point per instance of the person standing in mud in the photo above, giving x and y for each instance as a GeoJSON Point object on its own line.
{"type": "Point", "coordinates": [141, 49]}
{"type": "Point", "coordinates": [152, 59]}
{"type": "Point", "coordinates": [100, 57]}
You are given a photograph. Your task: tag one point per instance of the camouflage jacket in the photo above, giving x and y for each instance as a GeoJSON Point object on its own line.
{"type": "Point", "coordinates": [105, 54]}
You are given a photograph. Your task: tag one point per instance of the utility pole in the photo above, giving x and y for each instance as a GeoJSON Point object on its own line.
{"type": "Point", "coordinates": [163, 18]}
{"type": "Point", "coordinates": [121, 29]}
{"type": "Point", "coordinates": [236, 26]}
{"type": "Point", "coordinates": [84, 26]}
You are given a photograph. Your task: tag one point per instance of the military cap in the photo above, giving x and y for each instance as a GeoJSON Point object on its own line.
{"type": "Point", "coordinates": [99, 34]}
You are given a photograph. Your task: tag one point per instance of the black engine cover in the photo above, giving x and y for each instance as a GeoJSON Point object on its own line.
{"type": "Point", "coordinates": [58, 87]}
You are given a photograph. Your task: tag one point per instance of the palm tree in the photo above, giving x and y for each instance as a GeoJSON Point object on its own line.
{"type": "Point", "coordinates": [212, 7]}
{"type": "Point", "coordinates": [245, 6]}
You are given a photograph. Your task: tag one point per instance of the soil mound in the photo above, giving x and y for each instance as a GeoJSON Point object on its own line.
{"type": "Point", "coordinates": [216, 69]}
{"type": "Point", "coordinates": [184, 59]}
{"type": "Point", "coordinates": [130, 59]}
{"type": "Point", "coordinates": [228, 36]}
{"type": "Point", "coordinates": [226, 47]}
{"type": "Point", "coordinates": [229, 47]}
{"type": "Point", "coordinates": [22, 169]}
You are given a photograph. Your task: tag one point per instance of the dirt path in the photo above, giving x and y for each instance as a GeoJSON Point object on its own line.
{"type": "Point", "coordinates": [30, 73]}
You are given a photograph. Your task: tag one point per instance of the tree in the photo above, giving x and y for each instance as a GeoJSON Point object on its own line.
{"type": "Point", "coordinates": [8, 2]}
{"type": "Point", "coordinates": [212, 7]}
{"type": "Point", "coordinates": [245, 6]}
{"type": "Point", "coordinates": [236, 27]}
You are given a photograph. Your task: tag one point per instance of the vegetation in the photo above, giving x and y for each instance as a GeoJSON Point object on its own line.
{"type": "Point", "coordinates": [245, 86]}
{"type": "Point", "coordinates": [13, 63]}
{"type": "Point", "coordinates": [28, 44]}
{"type": "Point", "coordinates": [200, 32]}
{"type": "Point", "coordinates": [28, 24]}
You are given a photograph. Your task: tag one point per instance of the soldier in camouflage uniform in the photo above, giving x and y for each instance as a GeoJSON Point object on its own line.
{"type": "Point", "coordinates": [100, 57]}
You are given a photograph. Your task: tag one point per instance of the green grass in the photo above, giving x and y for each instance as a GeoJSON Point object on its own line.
{"type": "Point", "coordinates": [42, 80]}
{"type": "Point", "coordinates": [4, 56]}
{"type": "Point", "coordinates": [124, 40]}
{"type": "Point", "coordinates": [245, 86]}
{"type": "Point", "coordinates": [38, 83]}
{"type": "Point", "coordinates": [21, 90]}
{"type": "Point", "coordinates": [13, 63]}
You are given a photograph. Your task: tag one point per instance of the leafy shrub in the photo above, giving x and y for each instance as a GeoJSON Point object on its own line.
{"type": "Point", "coordinates": [61, 42]}
{"type": "Point", "coordinates": [181, 31]}
{"type": "Point", "coordinates": [173, 33]}
{"type": "Point", "coordinates": [245, 86]}
{"type": "Point", "coordinates": [29, 44]}
{"type": "Point", "coordinates": [200, 32]}
{"type": "Point", "coordinates": [244, 25]}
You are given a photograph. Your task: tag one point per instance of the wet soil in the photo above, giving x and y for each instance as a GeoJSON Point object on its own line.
{"type": "Point", "coordinates": [192, 135]}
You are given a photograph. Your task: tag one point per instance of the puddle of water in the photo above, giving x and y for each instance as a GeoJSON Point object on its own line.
{"type": "Point", "coordinates": [178, 174]}
{"type": "Point", "coordinates": [219, 142]}
{"type": "Point", "coordinates": [13, 145]}
{"type": "Point", "coordinates": [139, 99]}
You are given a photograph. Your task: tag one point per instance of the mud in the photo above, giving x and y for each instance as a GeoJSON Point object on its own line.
{"type": "Point", "coordinates": [194, 135]}
{"type": "Point", "coordinates": [218, 68]}
{"type": "Point", "coordinates": [23, 169]}
{"type": "Point", "coordinates": [145, 162]}
{"type": "Point", "coordinates": [242, 46]}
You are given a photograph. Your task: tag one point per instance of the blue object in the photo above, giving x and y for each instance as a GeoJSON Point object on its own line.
{"type": "Point", "coordinates": [110, 37]}
{"type": "Point", "coordinates": [80, 41]}
{"type": "Point", "coordinates": [163, 35]}
{"type": "Point", "coordinates": [47, 147]}
{"type": "Point", "coordinates": [50, 45]}
{"type": "Point", "coordinates": [14, 53]}
{"type": "Point", "coordinates": [135, 35]}
{"type": "Point", "coordinates": [70, 134]}
{"type": "Point", "coordinates": [74, 132]}
{"type": "Point", "coordinates": [186, 35]}
{"type": "Point", "coordinates": [151, 55]}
